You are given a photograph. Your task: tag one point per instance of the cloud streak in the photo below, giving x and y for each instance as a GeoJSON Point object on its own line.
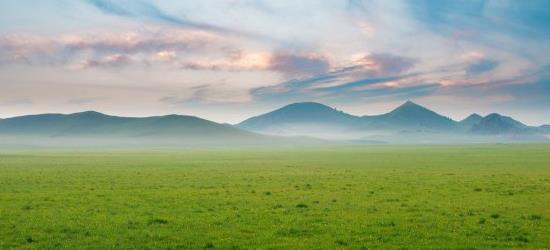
{"type": "Point", "coordinates": [208, 93]}
{"type": "Point", "coordinates": [371, 75]}
{"type": "Point", "coordinates": [105, 46]}
{"type": "Point", "coordinates": [381, 64]}
{"type": "Point", "coordinates": [299, 64]}
{"type": "Point", "coordinates": [142, 10]}
{"type": "Point", "coordinates": [481, 66]}
{"type": "Point", "coordinates": [180, 49]}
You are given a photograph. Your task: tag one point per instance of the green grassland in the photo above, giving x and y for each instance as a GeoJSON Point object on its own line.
{"type": "Point", "coordinates": [480, 196]}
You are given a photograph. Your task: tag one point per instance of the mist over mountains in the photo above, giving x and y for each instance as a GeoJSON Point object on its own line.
{"type": "Point", "coordinates": [408, 123]}
{"type": "Point", "coordinates": [298, 123]}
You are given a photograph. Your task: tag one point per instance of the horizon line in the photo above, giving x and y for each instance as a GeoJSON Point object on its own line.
{"type": "Point", "coordinates": [251, 116]}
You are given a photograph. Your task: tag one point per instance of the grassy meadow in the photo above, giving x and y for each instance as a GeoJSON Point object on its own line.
{"type": "Point", "coordinates": [476, 196]}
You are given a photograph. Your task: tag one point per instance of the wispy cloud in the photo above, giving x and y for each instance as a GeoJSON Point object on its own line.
{"type": "Point", "coordinates": [375, 74]}
{"type": "Point", "coordinates": [299, 64]}
{"type": "Point", "coordinates": [104, 46]}
{"type": "Point", "coordinates": [142, 10]}
{"type": "Point", "coordinates": [383, 64]}
{"type": "Point", "coordinates": [524, 18]}
{"type": "Point", "coordinates": [181, 49]}
{"type": "Point", "coordinates": [481, 66]}
{"type": "Point", "coordinates": [345, 92]}
{"type": "Point", "coordinates": [208, 93]}
{"type": "Point", "coordinates": [109, 62]}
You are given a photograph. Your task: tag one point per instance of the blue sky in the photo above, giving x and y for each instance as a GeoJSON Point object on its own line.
{"type": "Point", "coordinates": [228, 60]}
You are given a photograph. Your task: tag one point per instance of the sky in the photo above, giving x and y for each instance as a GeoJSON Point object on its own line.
{"type": "Point", "coordinates": [228, 60]}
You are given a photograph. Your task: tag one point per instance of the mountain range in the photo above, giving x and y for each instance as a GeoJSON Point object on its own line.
{"type": "Point", "coordinates": [409, 122]}
{"type": "Point", "coordinates": [91, 128]}
{"type": "Point", "coordinates": [298, 123]}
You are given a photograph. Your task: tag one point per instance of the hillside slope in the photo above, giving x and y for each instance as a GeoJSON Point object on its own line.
{"type": "Point", "coordinates": [96, 128]}
{"type": "Point", "coordinates": [411, 116]}
{"type": "Point", "coordinates": [495, 124]}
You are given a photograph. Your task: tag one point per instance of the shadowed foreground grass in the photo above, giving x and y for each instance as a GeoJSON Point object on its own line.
{"type": "Point", "coordinates": [488, 196]}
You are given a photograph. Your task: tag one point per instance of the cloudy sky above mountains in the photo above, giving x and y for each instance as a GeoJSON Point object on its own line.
{"type": "Point", "coordinates": [228, 60]}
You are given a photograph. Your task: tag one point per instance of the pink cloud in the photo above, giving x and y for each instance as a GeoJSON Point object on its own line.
{"type": "Point", "coordinates": [299, 64]}
{"type": "Point", "coordinates": [98, 46]}
{"type": "Point", "coordinates": [383, 64]}
{"type": "Point", "coordinates": [109, 61]}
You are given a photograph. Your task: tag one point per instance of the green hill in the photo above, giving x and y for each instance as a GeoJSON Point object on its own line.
{"type": "Point", "coordinates": [96, 128]}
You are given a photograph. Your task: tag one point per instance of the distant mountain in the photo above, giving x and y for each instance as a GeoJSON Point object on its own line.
{"type": "Point", "coordinates": [92, 126]}
{"type": "Point", "coordinates": [310, 116]}
{"type": "Point", "coordinates": [304, 112]}
{"type": "Point", "coordinates": [408, 123]}
{"type": "Point", "coordinates": [411, 116]}
{"type": "Point", "coordinates": [470, 121]}
{"type": "Point", "coordinates": [305, 118]}
{"type": "Point", "coordinates": [495, 124]}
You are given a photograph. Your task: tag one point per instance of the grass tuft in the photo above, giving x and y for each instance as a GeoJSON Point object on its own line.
{"type": "Point", "coordinates": [158, 221]}
{"type": "Point", "coordinates": [302, 205]}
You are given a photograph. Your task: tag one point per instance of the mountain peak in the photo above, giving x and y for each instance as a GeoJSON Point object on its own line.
{"type": "Point", "coordinates": [412, 115]}
{"type": "Point", "coordinates": [308, 105]}
{"type": "Point", "coordinates": [498, 124]}
{"type": "Point", "coordinates": [89, 113]}
{"type": "Point", "coordinates": [298, 113]}
{"type": "Point", "coordinates": [474, 116]}
{"type": "Point", "coordinates": [409, 102]}
{"type": "Point", "coordinates": [306, 108]}
{"type": "Point", "coordinates": [410, 106]}
{"type": "Point", "coordinates": [471, 120]}
{"type": "Point", "coordinates": [493, 116]}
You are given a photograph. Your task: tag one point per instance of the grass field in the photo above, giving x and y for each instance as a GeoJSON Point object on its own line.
{"type": "Point", "coordinates": [486, 196]}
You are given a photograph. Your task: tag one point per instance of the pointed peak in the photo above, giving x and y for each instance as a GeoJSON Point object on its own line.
{"type": "Point", "coordinates": [475, 115]}
{"type": "Point", "coordinates": [409, 105]}
{"type": "Point", "coordinates": [472, 119]}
